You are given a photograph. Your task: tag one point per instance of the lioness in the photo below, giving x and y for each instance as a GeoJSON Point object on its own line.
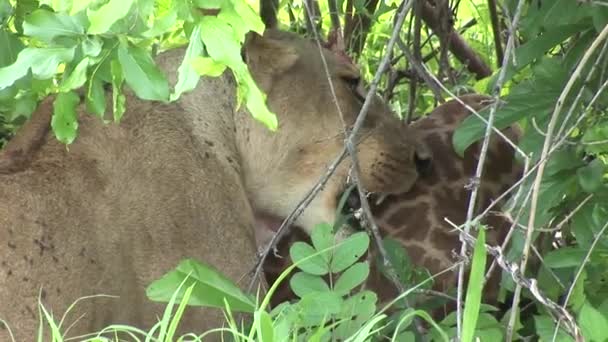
{"type": "Point", "coordinates": [127, 202]}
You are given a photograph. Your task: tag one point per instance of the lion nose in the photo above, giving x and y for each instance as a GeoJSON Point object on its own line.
{"type": "Point", "coordinates": [423, 162]}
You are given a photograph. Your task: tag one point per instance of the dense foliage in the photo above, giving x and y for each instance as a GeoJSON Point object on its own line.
{"type": "Point", "coordinates": [545, 59]}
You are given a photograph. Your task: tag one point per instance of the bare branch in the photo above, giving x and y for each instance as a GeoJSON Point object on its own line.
{"type": "Point", "coordinates": [481, 164]}
{"type": "Point", "coordinates": [496, 30]}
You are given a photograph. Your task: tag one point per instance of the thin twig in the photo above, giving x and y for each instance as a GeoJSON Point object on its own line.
{"type": "Point", "coordinates": [480, 165]}
{"type": "Point", "coordinates": [422, 72]}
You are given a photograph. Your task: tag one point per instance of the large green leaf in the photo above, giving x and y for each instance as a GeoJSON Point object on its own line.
{"type": "Point", "coordinates": [219, 39]}
{"type": "Point", "coordinates": [591, 176]}
{"type": "Point", "coordinates": [534, 98]}
{"type": "Point", "coordinates": [77, 77]}
{"type": "Point", "coordinates": [46, 25]}
{"type": "Point", "coordinates": [187, 76]}
{"type": "Point", "coordinates": [42, 61]}
{"type": "Point", "coordinates": [211, 287]}
{"type": "Point", "coordinates": [65, 118]}
{"type": "Point", "coordinates": [545, 328]}
{"type": "Point", "coordinates": [593, 323]}
{"type": "Point", "coordinates": [142, 74]}
{"type": "Point", "coordinates": [103, 18]}
{"type": "Point", "coordinates": [11, 46]}
{"type": "Point", "coordinates": [535, 49]}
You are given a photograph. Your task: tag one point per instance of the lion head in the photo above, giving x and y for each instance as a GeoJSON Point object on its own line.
{"type": "Point", "coordinates": [317, 95]}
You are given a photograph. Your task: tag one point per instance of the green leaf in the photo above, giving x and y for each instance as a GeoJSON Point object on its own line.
{"type": "Point", "coordinates": [163, 24]}
{"type": "Point", "coordinates": [220, 43]}
{"type": "Point", "coordinates": [142, 74]}
{"type": "Point", "coordinates": [565, 257]}
{"type": "Point", "coordinates": [545, 328]}
{"type": "Point", "coordinates": [256, 103]}
{"type": "Point", "coordinates": [42, 61]}
{"type": "Point", "coordinates": [546, 90]}
{"type": "Point", "coordinates": [351, 278]}
{"type": "Point", "coordinates": [314, 265]}
{"type": "Point", "coordinates": [96, 97]}
{"type": "Point", "coordinates": [534, 49]}
{"type": "Point", "coordinates": [590, 177]}
{"type": "Point", "coordinates": [91, 46]}
{"type": "Point", "coordinates": [251, 20]}
{"type": "Point", "coordinates": [79, 5]}
{"type": "Point", "coordinates": [323, 240]}
{"type": "Point", "coordinates": [65, 118]}
{"type": "Point", "coordinates": [474, 288]}
{"type": "Point", "coordinates": [5, 11]}
{"type": "Point", "coordinates": [265, 330]}
{"type": "Point", "coordinates": [595, 134]}
{"type": "Point", "coordinates": [46, 25]}
{"type": "Point", "coordinates": [593, 323]}
{"type": "Point", "coordinates": [11, 46]}
{"type": "Point", "coordinates": [187, 76]}
{"type": "Point", "coordinates": [211, 289]}
{"type": "Point", "coordinates": [349, 251]}
{"type": "Point", "coordinates": [398, 258]}
{"type": "Point", "coordinates": [118, 98]}
{"type": "Point", "coordinates": [103, 18]}
{"type": "Point", "coordinates": [77, 77]}
{"type": "Point", "coordinates": [207, 66]}
{"type": "Point", "coordinates": [318, 305]}
{"type": "Point", "coordinates": [356, 311]}
{"type": "Point", "coordinates": [303, 283]}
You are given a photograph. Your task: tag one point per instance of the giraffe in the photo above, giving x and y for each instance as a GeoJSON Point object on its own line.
{"type": "Point", "coordinates": [416, 218]}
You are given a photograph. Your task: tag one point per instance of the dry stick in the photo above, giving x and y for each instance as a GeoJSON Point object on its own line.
{"type": "Point", "coordinates": [580, 270]}
{"type": "Point", "coordinates": [480, 165]}
{"type": "Point", "coordinates": [541, 168]}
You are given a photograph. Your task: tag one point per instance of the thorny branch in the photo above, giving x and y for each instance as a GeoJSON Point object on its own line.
{"type": "Point", "coordinates": [531, 284]}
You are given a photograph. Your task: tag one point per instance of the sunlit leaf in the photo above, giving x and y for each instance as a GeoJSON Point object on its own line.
{"type": "Point", "coordinates": [103, 18]}
{"type": "Point", "coordinates": [65, 118]}
{"type": "Point", "coordinates": [211, 289]}
{"type": "Point", "coordinates": [142, 74]}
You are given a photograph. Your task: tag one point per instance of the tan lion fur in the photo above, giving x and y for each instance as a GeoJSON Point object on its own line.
{"type": "Point", "coordinates": [126, 202]}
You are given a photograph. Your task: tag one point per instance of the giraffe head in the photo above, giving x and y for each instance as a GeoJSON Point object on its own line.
{"type": "Point", "coordinates": [416, 218]}
{"type": "Point", "coordinates": [428, 238]}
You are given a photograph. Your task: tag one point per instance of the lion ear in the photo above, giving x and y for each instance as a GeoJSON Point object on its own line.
{"type": "Point", "coordinates": [270, 54]}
